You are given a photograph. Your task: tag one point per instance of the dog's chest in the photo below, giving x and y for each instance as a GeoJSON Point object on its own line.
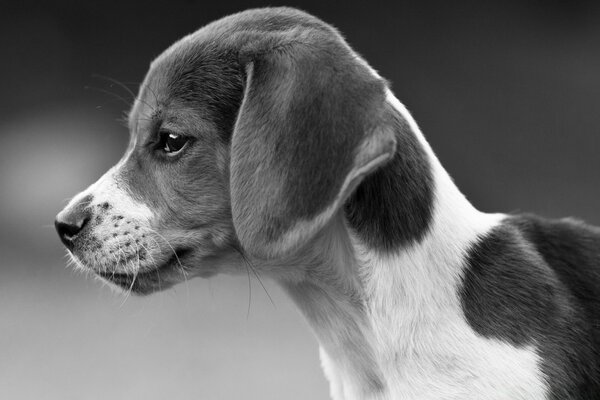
{"type": "Point", "coordinates": [451, 362]}
{"type": "Point", "coordinates": [424, 347]}
{"type": "Point", "coordinates": [445, 361]}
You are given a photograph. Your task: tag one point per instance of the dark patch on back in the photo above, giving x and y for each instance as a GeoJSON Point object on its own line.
{"type": "Point", "coordinates": [393, 207]}
{"type": "Point", "coordinates": [536, 282]}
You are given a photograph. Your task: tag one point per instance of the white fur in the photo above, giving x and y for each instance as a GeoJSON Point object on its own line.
{"type": "Point", "coordinates": [113, 254]}
{"type": "Point", "coordinates": [108, 188]}
{"type": "Point", "coordinates": [423, 345]}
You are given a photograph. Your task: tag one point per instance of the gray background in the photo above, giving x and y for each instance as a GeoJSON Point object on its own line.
{"type": "Point", "coordinates": [507, 93]}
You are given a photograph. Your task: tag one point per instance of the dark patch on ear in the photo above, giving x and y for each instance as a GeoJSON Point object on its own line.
{"type": "Point", "coordinates": [312, 147]}
{"type": "Point", "coordinates": [309, 105]}
{"type": "Point", "coordinates": [393, 207]}
{"type": "Point", "coordinates": [537, 282]}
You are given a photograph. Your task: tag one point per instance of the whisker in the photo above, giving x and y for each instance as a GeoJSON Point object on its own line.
{"type": "Point", "coordinates": [123, 120]}
{"type": "Point", "coordinates": [120, 250]}
{"type": "Point", "coordinates": [153, 94]}
{"type": "Point", "coordinates": [116, 82]}
{"type": "Point", "coordinates": [124, 84]}
{"type": "Point", "coordinates": [184, 273]}
{"type": "Point", "coordinates": [249, 264]}
{"type": "Point", "coordinates": [108, 92]}
{"type": "Point", "coordinates": [168, 244]}
{"type": "Point", "coordinates": [148, 254]}
{"type": "Point", "coordinates": [135, 275]}
{"type": "Point", "coordinates": [116, 262]}
{"type": "Point", "coordinates": [249, 291]}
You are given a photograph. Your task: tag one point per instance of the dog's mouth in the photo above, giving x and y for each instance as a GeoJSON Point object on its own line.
{"type": "Point", "coordinates": [145, 282]}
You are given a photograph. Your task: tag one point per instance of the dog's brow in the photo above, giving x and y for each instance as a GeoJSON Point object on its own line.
{"type": "Point", "coordinates": [150, 122]}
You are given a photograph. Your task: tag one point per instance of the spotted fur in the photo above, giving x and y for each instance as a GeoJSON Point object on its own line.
{"type": "Point", "coordinates": [301, 163]}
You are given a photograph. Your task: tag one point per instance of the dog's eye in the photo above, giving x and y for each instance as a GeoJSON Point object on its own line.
{"type": "Point", "coordinates": [171, 143]}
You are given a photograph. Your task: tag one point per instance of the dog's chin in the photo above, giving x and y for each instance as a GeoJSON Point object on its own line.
{"type": "Point", "coordinates": [144, 283]}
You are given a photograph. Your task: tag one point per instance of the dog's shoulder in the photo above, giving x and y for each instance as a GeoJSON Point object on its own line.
{"type": "Point", "coordinates": [535, 281]}
{"type": "Point", "coordinates": [528, 251]}
{"type": "Point", "coordinates": [572, 249]}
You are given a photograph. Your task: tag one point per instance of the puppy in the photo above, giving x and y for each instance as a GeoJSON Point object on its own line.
{"type": "Point", "coordinates": [263, 138]}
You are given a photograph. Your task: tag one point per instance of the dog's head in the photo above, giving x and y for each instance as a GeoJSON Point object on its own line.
{"type": "Point", "coordinates": [247, 136]}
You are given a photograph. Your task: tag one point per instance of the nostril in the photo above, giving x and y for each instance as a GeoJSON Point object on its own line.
{"type": "Point", "coordinates": [67, 229]}
{"type": "Point", "coordinates": [69, 226]}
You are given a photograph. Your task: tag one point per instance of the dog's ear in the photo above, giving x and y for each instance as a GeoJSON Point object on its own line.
{"type": "Point", "coordinates": [311, 125]}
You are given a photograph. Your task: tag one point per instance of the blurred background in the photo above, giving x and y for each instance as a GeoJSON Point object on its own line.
{"type": "Point", "coordinates": [507, 92]}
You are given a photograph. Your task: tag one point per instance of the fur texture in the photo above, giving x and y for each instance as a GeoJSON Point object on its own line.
{"type": "Point", "coordinates": [299, 162]}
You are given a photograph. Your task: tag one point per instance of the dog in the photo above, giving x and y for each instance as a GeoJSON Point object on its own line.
{"type": "Point", "coordinates": [264, 140]}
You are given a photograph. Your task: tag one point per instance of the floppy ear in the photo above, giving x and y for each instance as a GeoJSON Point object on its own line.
{"type": "Point", "coordinates": [310, 127]}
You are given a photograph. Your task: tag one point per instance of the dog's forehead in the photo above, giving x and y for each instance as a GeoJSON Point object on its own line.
{"type": "Point", "coordinates": [234, 29]}
{"type": "Point", "coordinates": [217, 44]}
{"type": "Point", "coordinates": [202, 70]}
{"type": "Point", "coordinates": [205, 71]}
{"type": "Point", "coordinates": [207, 92]}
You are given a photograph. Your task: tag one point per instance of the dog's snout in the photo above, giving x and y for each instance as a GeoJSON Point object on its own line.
{"type": "Point", "coordinates": [71, 221]}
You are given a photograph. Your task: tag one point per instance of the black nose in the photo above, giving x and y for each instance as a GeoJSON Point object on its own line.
{"type": "Point", "coordinates": [71, 221]}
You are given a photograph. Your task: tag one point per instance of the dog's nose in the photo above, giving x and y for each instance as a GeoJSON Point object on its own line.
{"type": "Point", "coordinates": [71, 221]}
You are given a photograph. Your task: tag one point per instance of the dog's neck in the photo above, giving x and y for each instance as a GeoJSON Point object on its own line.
{"type": "Point", "coordinates": [371, 306]}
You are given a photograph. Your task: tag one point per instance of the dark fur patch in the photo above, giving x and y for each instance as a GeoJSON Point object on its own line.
{"type": "Point", "coordinates": [393, 206]}
{"type": "Point", "coordinates": [209, 79]}
{"type": "Point", "coordinates": [307, 106]}
{"type": "Point", "coordinates": [537, 282]}
{"type": "Point", "coordinates": [297, 100]}
{"type": "Point", "coordinates": [207, 73]}
{"type": "Point", "coordinates": [304, 116]}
